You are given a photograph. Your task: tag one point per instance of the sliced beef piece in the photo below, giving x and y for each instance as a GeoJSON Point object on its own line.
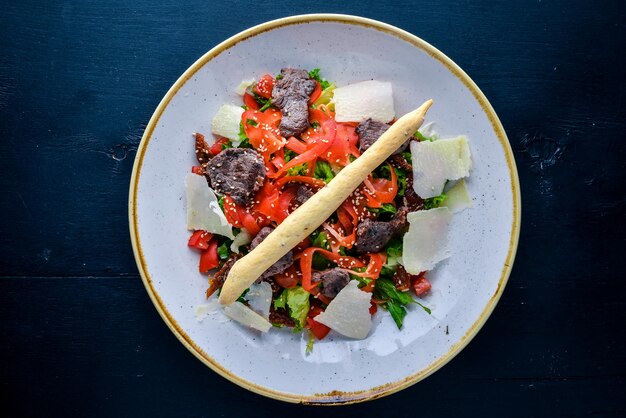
{"type": "Point", "coordinates": [237, 172]}
{"type": "Point", "coordinates": [279, 266]}
{"type": "Point", "coordinates": [203, 155]}
{"type": "Point", "coordinates": [372, 236]}
{"type": "Point", "coordinates": [302, 195]}
{"type": "Point", "coordinates": [291, 95]}
{"type": "Point", "coordinates": [369, 131]}
{"type": "Point", "coordinates": [411, 200]}
{"type": "Point", "coordinates": [333, 281]}
{"type": "Point", "coordinates": [399, 161]}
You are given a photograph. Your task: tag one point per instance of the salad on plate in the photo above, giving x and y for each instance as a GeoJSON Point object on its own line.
{"type": "Point", "coordinates": [289, 137]}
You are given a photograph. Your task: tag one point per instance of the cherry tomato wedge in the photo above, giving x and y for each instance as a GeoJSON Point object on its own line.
{"type": "Point", "coordinates": [319, 330]}
{"type": "Point", "coordinates": [265, 86]}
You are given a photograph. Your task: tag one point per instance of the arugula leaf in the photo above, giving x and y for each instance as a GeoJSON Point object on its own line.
{"type": "Point", "coordinates": [244, 141]}
{"type": "Point", "coordinates": [289, 155]}
{"type": "Point", "coordinates": [387, 291]}
{"type": "Point", "coordinates": [320, 239]}
{"type": "Point", "coordinates": [242, 297]}
{"type": "Point", "coordinates": [421, 137]}
{"type": "Point", "coordinates": [315, 75]}
{"type": "Point", "coordinates": [427, 309]}
{"type": "Point", "coordinates": [299, 170]}
{"type": "Point", "coordinates": [407, 156]}
{"type": "Point", "coordinates": [281, 301]}
{"type": "Point", "coordinates": [385, 208]}
{"type": "Point", "coordinates": [224, 250]}
{"type": "Point", "coordinates": [402, 180]}
{"type": "Point", "coordinates": [220, 201]}
{"type": "Point", "coordinates": [394, 248]}
{"type": "Point", "coordinates": [397, 311]}
{"type": "Point", "coordinates": [227, 144]}
{"type": "Point", "coordinates": [252, 122]}
{"type": "Point", "coordinates": [434, 202]}
{"type": "Point", "coordinates": [267, 105]}
{"type": "Point", "coordinates": [363, 281]}
{"type": "Point", "coordinates": [387, 272]}
{"type": "Point", "coordinates": [309, 344]}
{"type": "Point", "coordinates": [323, 171]}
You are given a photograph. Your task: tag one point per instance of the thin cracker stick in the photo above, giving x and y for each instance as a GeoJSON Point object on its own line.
{"type": "Point", "coordinates": [310, 215]}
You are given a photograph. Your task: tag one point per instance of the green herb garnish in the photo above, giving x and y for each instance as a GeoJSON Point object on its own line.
{"type": "Point", "coordinates": [323, 171]}
{"type": "Point", "coordinates": [434, 202]}
{"type": "Point", "coordinates": [315, 75]}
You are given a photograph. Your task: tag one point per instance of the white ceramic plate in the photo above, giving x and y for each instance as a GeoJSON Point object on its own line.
{"type": "Point", "coordinates": [466, 286]}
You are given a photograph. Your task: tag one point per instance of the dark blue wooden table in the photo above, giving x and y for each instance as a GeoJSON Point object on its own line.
{"type": "Point", "coordinates": [78, 83]}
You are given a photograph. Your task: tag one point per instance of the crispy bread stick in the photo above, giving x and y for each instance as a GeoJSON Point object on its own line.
{"type": "Point", "coordinates": [319, 207]}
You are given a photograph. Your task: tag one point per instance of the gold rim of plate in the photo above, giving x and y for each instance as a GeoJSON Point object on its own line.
{"type": "Point", "coordinates": [334, 397]}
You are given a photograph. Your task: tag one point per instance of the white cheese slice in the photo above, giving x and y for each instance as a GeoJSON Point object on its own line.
{"type": "Point", "coordinates": [203, 209]}
{"type": "Point", "coordinates": [226, 122]}
{"type": "Point", "coordinates": [243, 86]}
{"type": "Point", "coordinates": [259, 298]}
{"type": "Point", "coordinates": [348, 313]}
{"type": "Point", "coordinates": [457, 197]}
{"type": "Point", "coordinates": [426, 241]}
{"type": "Point", "coordinates": [368, 99]}
{"type": "Point", "coordinates": [242, 238]}
{"type": "Point", "coordinates": [246, 316]}
{"type": "Point", "coordinates": [437, 161]}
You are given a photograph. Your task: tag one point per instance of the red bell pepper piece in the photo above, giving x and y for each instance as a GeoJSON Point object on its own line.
{"type": "Point", "coordinates": [200, 240]}
{"type": "Point", "coordinates": [317, 92]}
{"type": "Point", "coordinates": [209, 259]}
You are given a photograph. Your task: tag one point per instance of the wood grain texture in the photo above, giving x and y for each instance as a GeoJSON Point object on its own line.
{"type": "Point", "coordinates": [78, 83]}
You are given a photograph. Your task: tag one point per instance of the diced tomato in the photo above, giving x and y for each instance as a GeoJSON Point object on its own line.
{"type": "Point", "coordinates": [216, 148]}
{"type": "Point", "coordinates": [265, 86]}
{"type": "Point", "coordinates": [200, 240]}
{"type": "Point", "coordinates": [209, 259]}
{"type": "Point", "coordinates": [196, 169]}
{"type": "Point", "coordinates": [262, 129]}
{"type": "Point", "coordinates": [420, 285]}
{"type": "Point", "coordinates": [317, 92]}
{"type": "Point", "coordinates": [373, 307]}
{"type": "Point", "coordinates": [319, 330]}
{"type": "Point", "coordinates": [249, 101]}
